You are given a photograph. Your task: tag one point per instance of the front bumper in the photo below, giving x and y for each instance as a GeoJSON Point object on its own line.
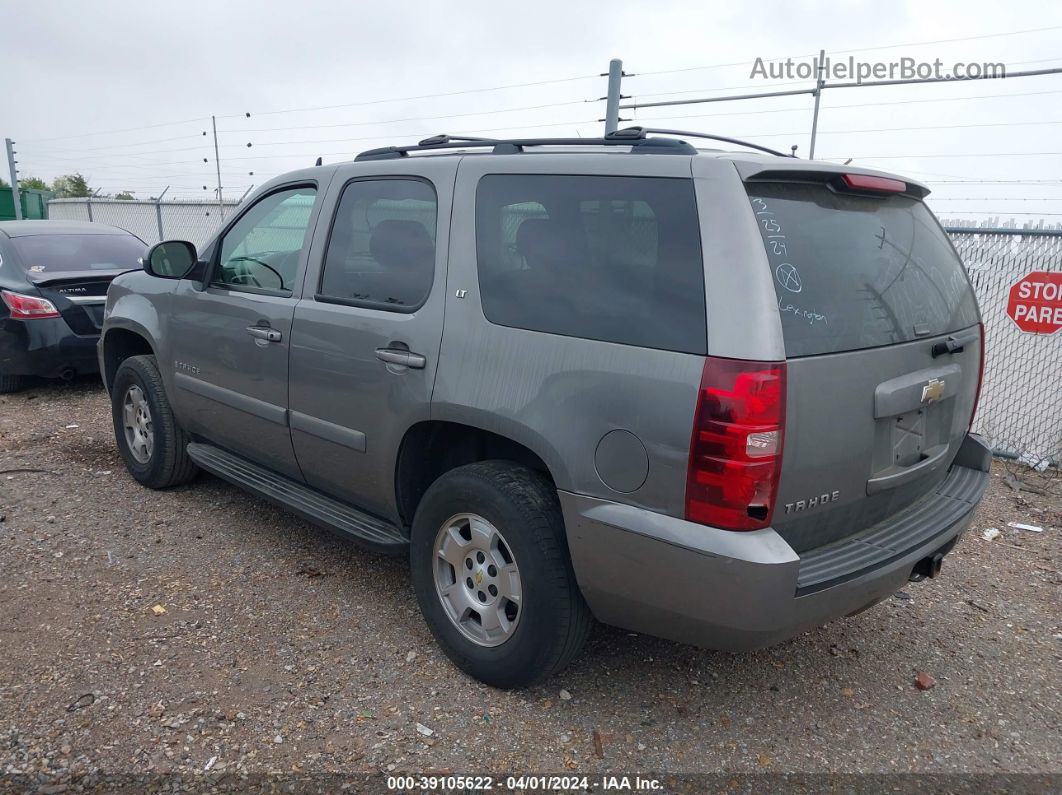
{"type": "Point", "coordinates": [662, 576]}
{"type": "Point", "coordinates": [45, 347]}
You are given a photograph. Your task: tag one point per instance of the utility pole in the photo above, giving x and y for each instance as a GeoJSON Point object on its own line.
{"type": "Point", "coordinates": [217, 162]}
{"type": "Point", "coordinates": [158, 213]}
{"type": "Point", "coordinates": [819, 83]}
{"type": "Point", "coordinates": [612, 101]}
{"type": "Point", "coordinates": [14, 177]}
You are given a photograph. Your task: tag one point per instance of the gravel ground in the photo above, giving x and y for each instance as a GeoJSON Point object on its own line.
{"type": "Point", "coordinates": [282, 648]}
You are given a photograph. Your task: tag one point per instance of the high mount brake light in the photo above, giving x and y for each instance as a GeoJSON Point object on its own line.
{"type": "Point", "coordinates": [870, 183]}
{"type": "Point", "coordinates": [27, 307]}
{"type": "Point", "coordinates": [736, 448]}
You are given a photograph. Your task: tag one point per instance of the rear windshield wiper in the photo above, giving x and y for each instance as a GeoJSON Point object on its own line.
{"type": "Point", "coordinates": [953, 345]}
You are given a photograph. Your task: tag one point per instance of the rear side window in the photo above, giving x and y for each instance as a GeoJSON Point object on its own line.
{"type": "Point", "coordinates": [606, 258]}
{"type": "Point", "coordinates": [381, 252]}
{"type": "Point", "coordinates": [57, 253]}
{"type": "Point", "coordinates": [854, 272]}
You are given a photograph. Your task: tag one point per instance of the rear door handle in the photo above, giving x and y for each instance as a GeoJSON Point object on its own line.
{"type": "Point", "coordinates": [401, 357]}
{"type": "Point", "coordinates": [265, 333]}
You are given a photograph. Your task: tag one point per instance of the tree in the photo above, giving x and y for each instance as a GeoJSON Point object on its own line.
{"type": "Point", "coordinates": [124, 196]}
{"type": "Point", "coordinates": [33, 183]}
{"type": "Point", "coordinates": [2, 183]}
{"type": "Point", "coordinates": [71, 186]}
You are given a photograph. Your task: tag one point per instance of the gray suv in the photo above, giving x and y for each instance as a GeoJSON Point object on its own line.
{"type": "Point", "coordinates": [715, 396]}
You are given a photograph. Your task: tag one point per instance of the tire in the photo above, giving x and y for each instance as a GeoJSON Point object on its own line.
{"type": "Point", "coordinates": [552, 621]}
{"type": "Point", "coordinates": [11, 383]}
{"type": "Point", "coordinates": [166, 462]}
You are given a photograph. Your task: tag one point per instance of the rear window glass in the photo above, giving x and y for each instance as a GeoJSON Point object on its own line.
{"type": "Point", "coordinates": [58, 253]}
{"type": "Point", "coordinates": [854, 272]}
{"type": "Point", "coordinates": [605, 258]}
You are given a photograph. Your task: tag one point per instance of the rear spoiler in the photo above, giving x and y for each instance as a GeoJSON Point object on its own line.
{"type": "Point", "coordinates": [829, 174]}
{"type": "Point", "coordinates": [45, 278]}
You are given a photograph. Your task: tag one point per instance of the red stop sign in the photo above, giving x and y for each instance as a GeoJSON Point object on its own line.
{"type": "Point", "coordinates": [1035, 303]}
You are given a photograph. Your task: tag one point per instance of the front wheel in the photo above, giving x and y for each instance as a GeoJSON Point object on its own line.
{"type": "Point", "coordinates": [149, 439]}
{"type": "Point", "coordinates": [492, 574]}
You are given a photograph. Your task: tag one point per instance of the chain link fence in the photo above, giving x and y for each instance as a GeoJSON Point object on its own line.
{"type": "Point", "coordinates": [194, 221]}
{"type": "Point", "coordinates": [1020, 412]}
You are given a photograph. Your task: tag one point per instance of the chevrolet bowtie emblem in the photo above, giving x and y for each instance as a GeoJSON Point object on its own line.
{"type": "Point", "coordinates": [479, 577]}
{"type": "Point", "coordinates": [933, 390]}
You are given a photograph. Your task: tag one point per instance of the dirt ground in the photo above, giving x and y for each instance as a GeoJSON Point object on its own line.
{"type": "Point", "coordinates": [282, 648]}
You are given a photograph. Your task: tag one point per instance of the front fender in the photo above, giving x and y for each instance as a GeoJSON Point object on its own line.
{"type": "Point", "coordinates": [133, 301]}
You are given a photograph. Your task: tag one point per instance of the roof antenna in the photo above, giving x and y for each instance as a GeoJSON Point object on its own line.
{"type": "Point", "coordinates": [318, 162]}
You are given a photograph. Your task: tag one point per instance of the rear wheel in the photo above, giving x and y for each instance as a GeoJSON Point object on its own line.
{"type": "Point", "coordinates": [492, 574]}
{"type": "Point", "coordinates": [11, 383]}
{"type": "Point", "coordinates": [149, 439]}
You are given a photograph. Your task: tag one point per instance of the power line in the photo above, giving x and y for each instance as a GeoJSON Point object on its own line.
{"type": "Point", "coordinates": [122, 146]}
{"type": "Point", "coordinates": [324, 107]}
{"type": "Point", "coordinates": [989, 212]}
{"type": "Point", "coordinates": [715, 90]}
{"type": "Point", "coordinates": [947, 154]}
{"type": "Point", "coordinates": [111, 132]}
{"type": "Point", "coordinates": [416, 133]}
{"type": "Point", "coordinates": [421, 96]}
{"type": "Point", "coordinates": [858, 49]}
{"type": "Point", "coordinates": [902, 129]}
{"type": "Point", "coordinates": [413, 118]}
{"type": "Point", "coordinates": [804, 108]}
{"type": "Point", "coordinates": [768, 85]}
{"type": "Point", "coordinates": [996, 181]}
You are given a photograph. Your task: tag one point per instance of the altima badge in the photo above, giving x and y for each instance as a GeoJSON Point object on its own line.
{"type": "Point", "coordinates": [933, 390]}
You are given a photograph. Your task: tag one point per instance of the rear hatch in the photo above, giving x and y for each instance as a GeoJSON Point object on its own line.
{"type": "Point", "coordinates": [883, 348]}
{"type": "Point", "coordinates": [74, 272]}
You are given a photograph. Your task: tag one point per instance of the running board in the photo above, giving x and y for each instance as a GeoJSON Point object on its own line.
{"type": "Point", "coordinates": [300, 499]}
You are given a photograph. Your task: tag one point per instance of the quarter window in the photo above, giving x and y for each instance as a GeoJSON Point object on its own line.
{"type": "Point", "coordinates": [605, 258]}
{"type": "Point", "coordinates": [262, 249]}
{"type": "Point", "coordinates": [381, 252]}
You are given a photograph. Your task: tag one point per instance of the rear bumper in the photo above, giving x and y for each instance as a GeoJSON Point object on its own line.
{"type": "Point", "coordinates": [45, 347]}
{"type": "Point", "coordinates": [663, 576]}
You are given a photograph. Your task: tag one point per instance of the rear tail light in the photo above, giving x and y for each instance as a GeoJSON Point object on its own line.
{"type": "Point", "coordinates": [25, 307]}
{"type": "Point", "coordinates": [980, 375]}
{"type": "Point", "coordinates": [736, 449]}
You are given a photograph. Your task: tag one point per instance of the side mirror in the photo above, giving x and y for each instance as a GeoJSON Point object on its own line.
{"type": "Point", "coordinates": [170, 259]}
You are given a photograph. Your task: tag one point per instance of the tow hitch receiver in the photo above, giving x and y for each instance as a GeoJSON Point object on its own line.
{"type": "Point", "coordinates": [927, 567]}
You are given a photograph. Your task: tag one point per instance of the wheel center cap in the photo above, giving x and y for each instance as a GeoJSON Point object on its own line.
{"type": "Point", "coordinates": [478, 576]}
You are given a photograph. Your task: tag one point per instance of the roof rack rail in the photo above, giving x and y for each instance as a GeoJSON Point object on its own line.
{"type": "Point", "coordinates": [641, 132]}
{"type": "Point", "coordinates": [635, 137]}
{"type": "Point", "coordinates": [512, 145]}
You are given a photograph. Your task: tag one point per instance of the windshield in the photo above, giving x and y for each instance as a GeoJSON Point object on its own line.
{"type": "Point", "coordinates": [854, 272]}
{"type": "Point", "coordinates": [43, 254]}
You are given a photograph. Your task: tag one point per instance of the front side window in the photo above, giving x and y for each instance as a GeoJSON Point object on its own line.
{"type": "Point", "coordinates": [262, 249]}
{"type": "Point", "coordinates": [381, 252]}
{"type": "Point", "coordinates": [605, 258]}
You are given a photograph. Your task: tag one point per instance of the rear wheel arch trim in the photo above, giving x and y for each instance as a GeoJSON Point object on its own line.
{"type": "Point", "coordinates": [406, 496]}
